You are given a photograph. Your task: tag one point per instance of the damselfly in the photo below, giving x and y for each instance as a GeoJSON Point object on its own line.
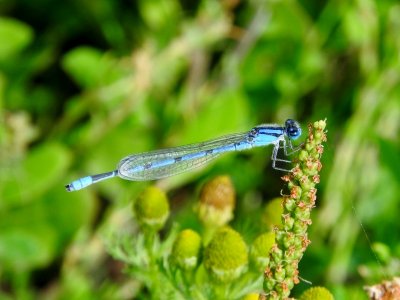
{"type": "Point", "coordinates": [168, 162]}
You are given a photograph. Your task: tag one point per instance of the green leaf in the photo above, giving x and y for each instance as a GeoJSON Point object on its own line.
{"type": "Point", "coordinates": [67, 212]}
{"type": "Point", "coordinates": [86, 65]}
{"type": "Point", "coordinates": [34, 234]}
{"type": "Point", "coordinates": [26, 247]}
{"type": "Point", "coordinates": [290, 21]}
{"type": "Point", "coordinates": [158, 14]}
{"type": "Point", "coordinates": [14, 36]}
{"type": "Point", "coordinates": [40, 170]}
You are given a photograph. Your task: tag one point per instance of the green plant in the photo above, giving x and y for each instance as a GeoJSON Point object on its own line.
{"type": "Point", "coordinates": [181, 266]}
{"type": "Point", "coordinates": [281, 274]}
{"type": "Point", "coordinates": [217, 267]}
{"type": "Point", "coordinates": [83, 85]}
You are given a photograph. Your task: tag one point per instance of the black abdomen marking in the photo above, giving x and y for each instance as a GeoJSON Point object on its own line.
{"type": "Point", "coordinates": [147, 166]}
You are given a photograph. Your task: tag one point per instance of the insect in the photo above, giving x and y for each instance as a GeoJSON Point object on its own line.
{"type": "Point", "coordinates": [168, 162]}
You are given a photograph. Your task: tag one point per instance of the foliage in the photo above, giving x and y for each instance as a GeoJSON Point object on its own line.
{"type": "Point", "coordinates": [83, 84]}
{"type": "Point", "coordinates": [191, 268]}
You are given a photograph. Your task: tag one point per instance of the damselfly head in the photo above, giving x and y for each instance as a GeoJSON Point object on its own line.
{"type": "Point", "coordinates": [292, 129]}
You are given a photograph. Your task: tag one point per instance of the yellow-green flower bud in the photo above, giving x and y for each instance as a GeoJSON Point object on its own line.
{"type": "Point", "coordinates": [272, 214]}
{"type": "Point", "coordinates": [252, 296]}
{"type": "Point", "coordinates": [152, 208]}
{"type": "Point", "coordinates": [225, 258]}
{"type": "Point", "coordinates": [259, 251]}
{"type": "Point", "coordinates": [217, 202]}
{"type": "Point", "coordinates": [186, 250]}
{"type": "Point", "coordinates": [316, 293]}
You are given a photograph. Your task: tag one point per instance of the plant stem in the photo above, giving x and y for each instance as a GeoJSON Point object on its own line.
{"type": "Point", "coordinates": [291, 240]}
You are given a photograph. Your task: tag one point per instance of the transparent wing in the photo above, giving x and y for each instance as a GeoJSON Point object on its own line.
{"type": "Point", "coordinates": [168, 162]}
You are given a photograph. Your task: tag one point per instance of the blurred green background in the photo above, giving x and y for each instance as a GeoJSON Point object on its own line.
{"type": "Point", "coordinates": [85, 83]}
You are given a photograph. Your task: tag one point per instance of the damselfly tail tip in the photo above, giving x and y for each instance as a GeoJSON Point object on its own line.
{"type": "Point", "coordinates": [69, 188]}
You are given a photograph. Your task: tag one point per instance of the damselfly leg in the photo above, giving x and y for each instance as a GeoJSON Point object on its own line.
{"type": "Point", "coordinates": [290, 147]}
{"type": "Point", "coordinates": [285, 145]}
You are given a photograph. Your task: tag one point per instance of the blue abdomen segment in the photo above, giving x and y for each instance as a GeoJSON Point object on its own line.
{"type": "Point", "coordinates": [88, 180]}
{"type": "Point", "coordinates": [79, 184]}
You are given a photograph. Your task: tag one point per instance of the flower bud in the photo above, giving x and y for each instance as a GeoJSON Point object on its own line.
{"type": "Point", "coordinates": [151, 208]}
{"type": "Point", "coordinates": [217, 202]}
{"type": "Point", "coordinates": [272, 214]}
{"type": "Point", "coordinates": [225, 258]}
{"type": "Point", "coordinates": [259, 251]}
{"type": "Point", "coordinates": [269, 284]}
{"type": "Point", "coordinates": [186, 250]}
{"type": "Point", "coordinates": [316, 293]}
{"type": "Point", "coordinates": [252, 296]}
